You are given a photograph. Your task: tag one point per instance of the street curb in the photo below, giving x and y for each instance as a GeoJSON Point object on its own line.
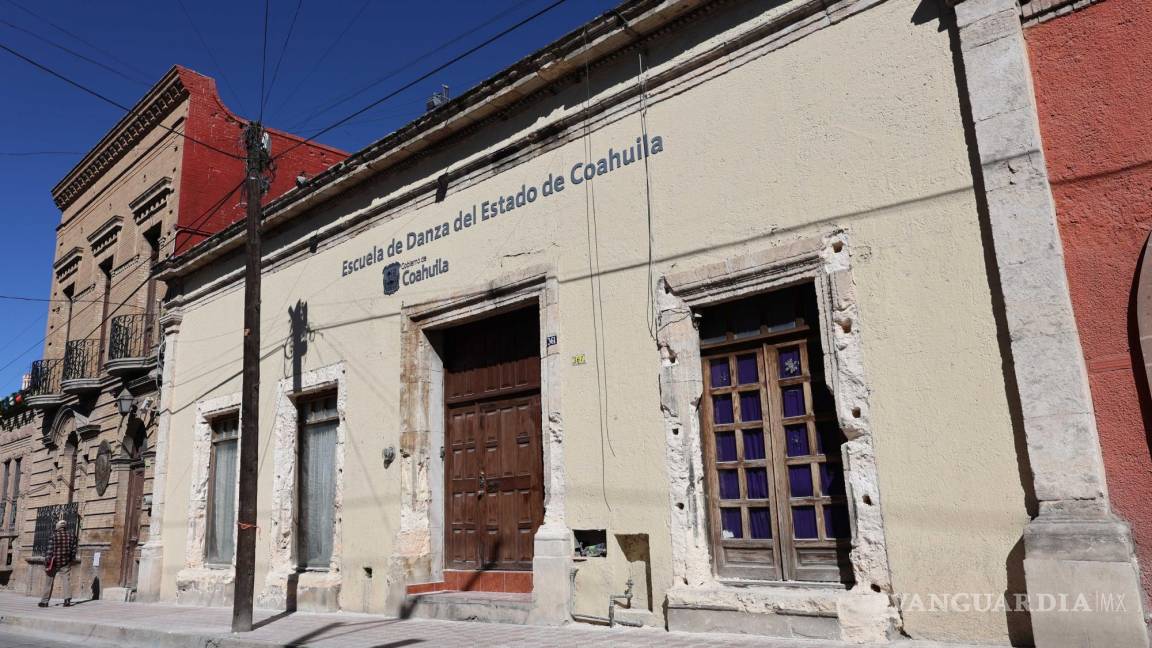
{"type": "Point", "coordinates": [131, 636]}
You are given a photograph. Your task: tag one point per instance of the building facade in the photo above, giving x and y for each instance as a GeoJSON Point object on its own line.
{"type": "Point", "coordinates": [17, 425]}
{"type": "Point", "coordinates": [730, 316]}
{"type": "Point", "coordinates": [1097, 151]}
{"type": "Point", "coordinates": [149, 187]}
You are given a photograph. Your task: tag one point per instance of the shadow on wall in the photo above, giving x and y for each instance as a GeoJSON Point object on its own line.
{"type": "Point", "coordinates": [1139, 372]}
{"type": "Point", "coordinates": [1019, 623]}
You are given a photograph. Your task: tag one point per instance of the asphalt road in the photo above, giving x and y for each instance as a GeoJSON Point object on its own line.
{"type": "Point", "coordinates": [12, 639]}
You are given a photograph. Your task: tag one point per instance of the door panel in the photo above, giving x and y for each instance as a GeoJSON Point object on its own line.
{"type": "Point", "coordinates": [494, 467]}
{"type": "Point", "coordinates": [497, 502]}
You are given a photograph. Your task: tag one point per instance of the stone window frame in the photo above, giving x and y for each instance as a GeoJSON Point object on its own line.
{"type": "Point", "coordinates": [208, 410]}
{"type": "Point", "coordinates": [199, 582]}
{"type": "Point", "coordinates": [826, 263]}
{"type": "Point", "coordinates": [210, 492]}
{"type": "Point", "coordinates": [285, 578]}
{"type": "Point", "coordinates": [419, 556]}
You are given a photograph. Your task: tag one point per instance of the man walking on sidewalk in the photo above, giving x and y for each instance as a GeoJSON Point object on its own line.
{"type": "Point", "coordinates": [58, 560]}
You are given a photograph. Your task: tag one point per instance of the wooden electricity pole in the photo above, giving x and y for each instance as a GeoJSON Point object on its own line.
{"type": "Point", "coordinates": [256, 162]}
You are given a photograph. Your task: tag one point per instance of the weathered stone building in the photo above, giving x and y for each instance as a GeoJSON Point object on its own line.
{"type": "Point", "coordinates": [150, 187]}
{"type": "Point", "coordinates": [714, 315]}
{"type": "Point", "coordinates": [17, 425]}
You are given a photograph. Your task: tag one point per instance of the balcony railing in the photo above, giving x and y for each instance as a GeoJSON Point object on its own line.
{"type": "Point", "coordinates": [82, 360]}
{"type": "Point", "coordinates": [133, 336]}
{"type": "Point", "coordinates": [45, 377]}
{"type": "Point", "coordinates": [46, 517]}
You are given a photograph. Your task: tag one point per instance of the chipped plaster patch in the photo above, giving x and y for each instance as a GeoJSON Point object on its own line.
{"type": "Point", "coordinates": [865, 612]}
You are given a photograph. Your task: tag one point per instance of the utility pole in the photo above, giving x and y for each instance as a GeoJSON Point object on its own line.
{"type": "Point", "coordinates": [256, 161]}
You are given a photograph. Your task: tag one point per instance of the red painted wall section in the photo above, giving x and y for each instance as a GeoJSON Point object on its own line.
{"type": "Point", "coordinates": [1094, 94]}
{"type": "Point", "coordinates": [211, 197]}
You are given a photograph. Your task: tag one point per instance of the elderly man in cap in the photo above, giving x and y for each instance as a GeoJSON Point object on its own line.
{"type": "Point", "coordinates": [58, 560]}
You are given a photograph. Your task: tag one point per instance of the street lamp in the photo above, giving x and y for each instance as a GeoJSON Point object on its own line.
{"type": "Point", "coordinates": [125, 403]}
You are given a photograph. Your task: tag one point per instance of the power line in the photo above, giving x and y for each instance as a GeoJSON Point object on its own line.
{"type": "Point", "coordinates": [193, 227]}
{"type": "Point", "coordinates": [50, 299]}
{"type": "Point", "coordinates": [78, 55]}
{"type": "Point", "coordinates": [106, 99]}
{"type": "Point", "coordinates": [452, 41]}
{"type": "Point", "coordinates": [283, 50]}
{"type": "Point", "coordinates": [331, 46]}
{"type": "Point", "coordinates": [211, 55]}
{"type": "Point", "coordinates": [426, 75]}
{"type": "Point", "coordinates": [143, 75]}
{"type": "Point", "coordinates": [264, 59]}
{"type": "Point", "coordinates": [28, 153]}
{"type": "Point", "coordinates": [82, 310]}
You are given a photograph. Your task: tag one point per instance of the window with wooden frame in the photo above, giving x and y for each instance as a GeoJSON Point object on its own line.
{"type": "Point", "coordinates": [316, 479]}
{"type": "Point", "coordinates": [220, 543]}
{"type": "Point", "coordinates": [775, 482]}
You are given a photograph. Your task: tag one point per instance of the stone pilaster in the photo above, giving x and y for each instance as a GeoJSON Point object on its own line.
{"type": "Point", "coordinates": [152, 553]}
{"type": "Point", "coordinates": [1077, 554]}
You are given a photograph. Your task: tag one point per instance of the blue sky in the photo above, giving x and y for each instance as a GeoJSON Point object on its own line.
{"type": "Point", "coordinates": [46, 126]}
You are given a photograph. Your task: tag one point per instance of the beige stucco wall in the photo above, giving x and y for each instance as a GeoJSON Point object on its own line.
{"type": "Point", "coordinates": [856, 127]}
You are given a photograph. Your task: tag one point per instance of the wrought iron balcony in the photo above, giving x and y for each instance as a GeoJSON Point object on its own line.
{"type": "Point", "coordinates": [46, 517]}
{"type": "Point", "coordinates": [44, 385]}
{"type": "Point", "coordinates": [132, 346]}
{"type": "Point", "coordinates": [81, 366]}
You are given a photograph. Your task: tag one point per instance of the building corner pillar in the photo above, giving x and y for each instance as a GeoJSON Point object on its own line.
{"type": "Point", "coordinates": [1080, 567]}
{"type": "Point", "coordinates": [551, 575]}
{"type": "Point", "coordinates": [150, 577]}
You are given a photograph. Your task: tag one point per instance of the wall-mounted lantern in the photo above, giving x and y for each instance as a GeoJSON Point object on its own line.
{"type": "Point", "coordinates": [125, 403]}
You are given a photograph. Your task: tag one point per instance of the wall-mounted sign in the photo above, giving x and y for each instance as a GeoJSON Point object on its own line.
{"type": "Point", "coordinates": [496, 205]}
{"type": "Point", "coordinates": [578, 359]}
{"type": "Point", "coordinates": [551, 341]}
{"type": "Point", "coordinates": [103, 467]}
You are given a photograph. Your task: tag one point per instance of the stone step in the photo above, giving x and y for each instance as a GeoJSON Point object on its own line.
{"type": "Point", "coordinates": [487, 607]}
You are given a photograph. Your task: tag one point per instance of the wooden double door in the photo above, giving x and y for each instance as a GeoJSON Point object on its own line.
{"type": "Point", "coordinates": [494, 476]}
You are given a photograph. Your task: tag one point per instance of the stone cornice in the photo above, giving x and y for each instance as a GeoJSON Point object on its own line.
{"type": "Point", "coordinates": [144, 116]}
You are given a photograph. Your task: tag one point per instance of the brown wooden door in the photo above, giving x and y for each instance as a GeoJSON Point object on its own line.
{"type": "Point", "coordinates": [494, 473]}
{"type": "Point", "coordinates": [495, 483]}
{"type": "Point", "coordinates": [128, 562]}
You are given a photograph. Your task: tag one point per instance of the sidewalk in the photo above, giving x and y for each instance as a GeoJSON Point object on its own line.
{"type": "Point", "coordinates": [170, 626]}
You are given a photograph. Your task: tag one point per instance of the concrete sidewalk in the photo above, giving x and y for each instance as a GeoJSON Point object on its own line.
{"type": "Point", "coordinates": [170, 626]}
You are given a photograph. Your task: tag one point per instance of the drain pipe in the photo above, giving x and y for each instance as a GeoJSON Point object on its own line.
{"type": "Point", "coordinates": [609, 620]}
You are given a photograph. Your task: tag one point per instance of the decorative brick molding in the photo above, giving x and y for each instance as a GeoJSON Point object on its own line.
{"type": "Point", "coordinates": [152, 200]}
{"type": "Point", "coordinates": [862, 614]}
{"type": "Point", "coordinates": [104, 237]}
{"type": "Point", "coordinates": [1075, 546]}
{"type": "Point", "coordinates": [145, 115]}
{"type": "Point", "coordinates": [68, 263]}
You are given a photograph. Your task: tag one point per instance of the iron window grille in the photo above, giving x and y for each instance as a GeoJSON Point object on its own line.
{"type": "Point", "coordinates": [46, 517]}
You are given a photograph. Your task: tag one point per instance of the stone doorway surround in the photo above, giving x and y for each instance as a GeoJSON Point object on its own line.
{"type": "Point", "coordinates": [698, 598]}
{"type": "Point", "coordinates": [1075, 546]}
{"type": "Point", "coordinates": [418, 556]}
